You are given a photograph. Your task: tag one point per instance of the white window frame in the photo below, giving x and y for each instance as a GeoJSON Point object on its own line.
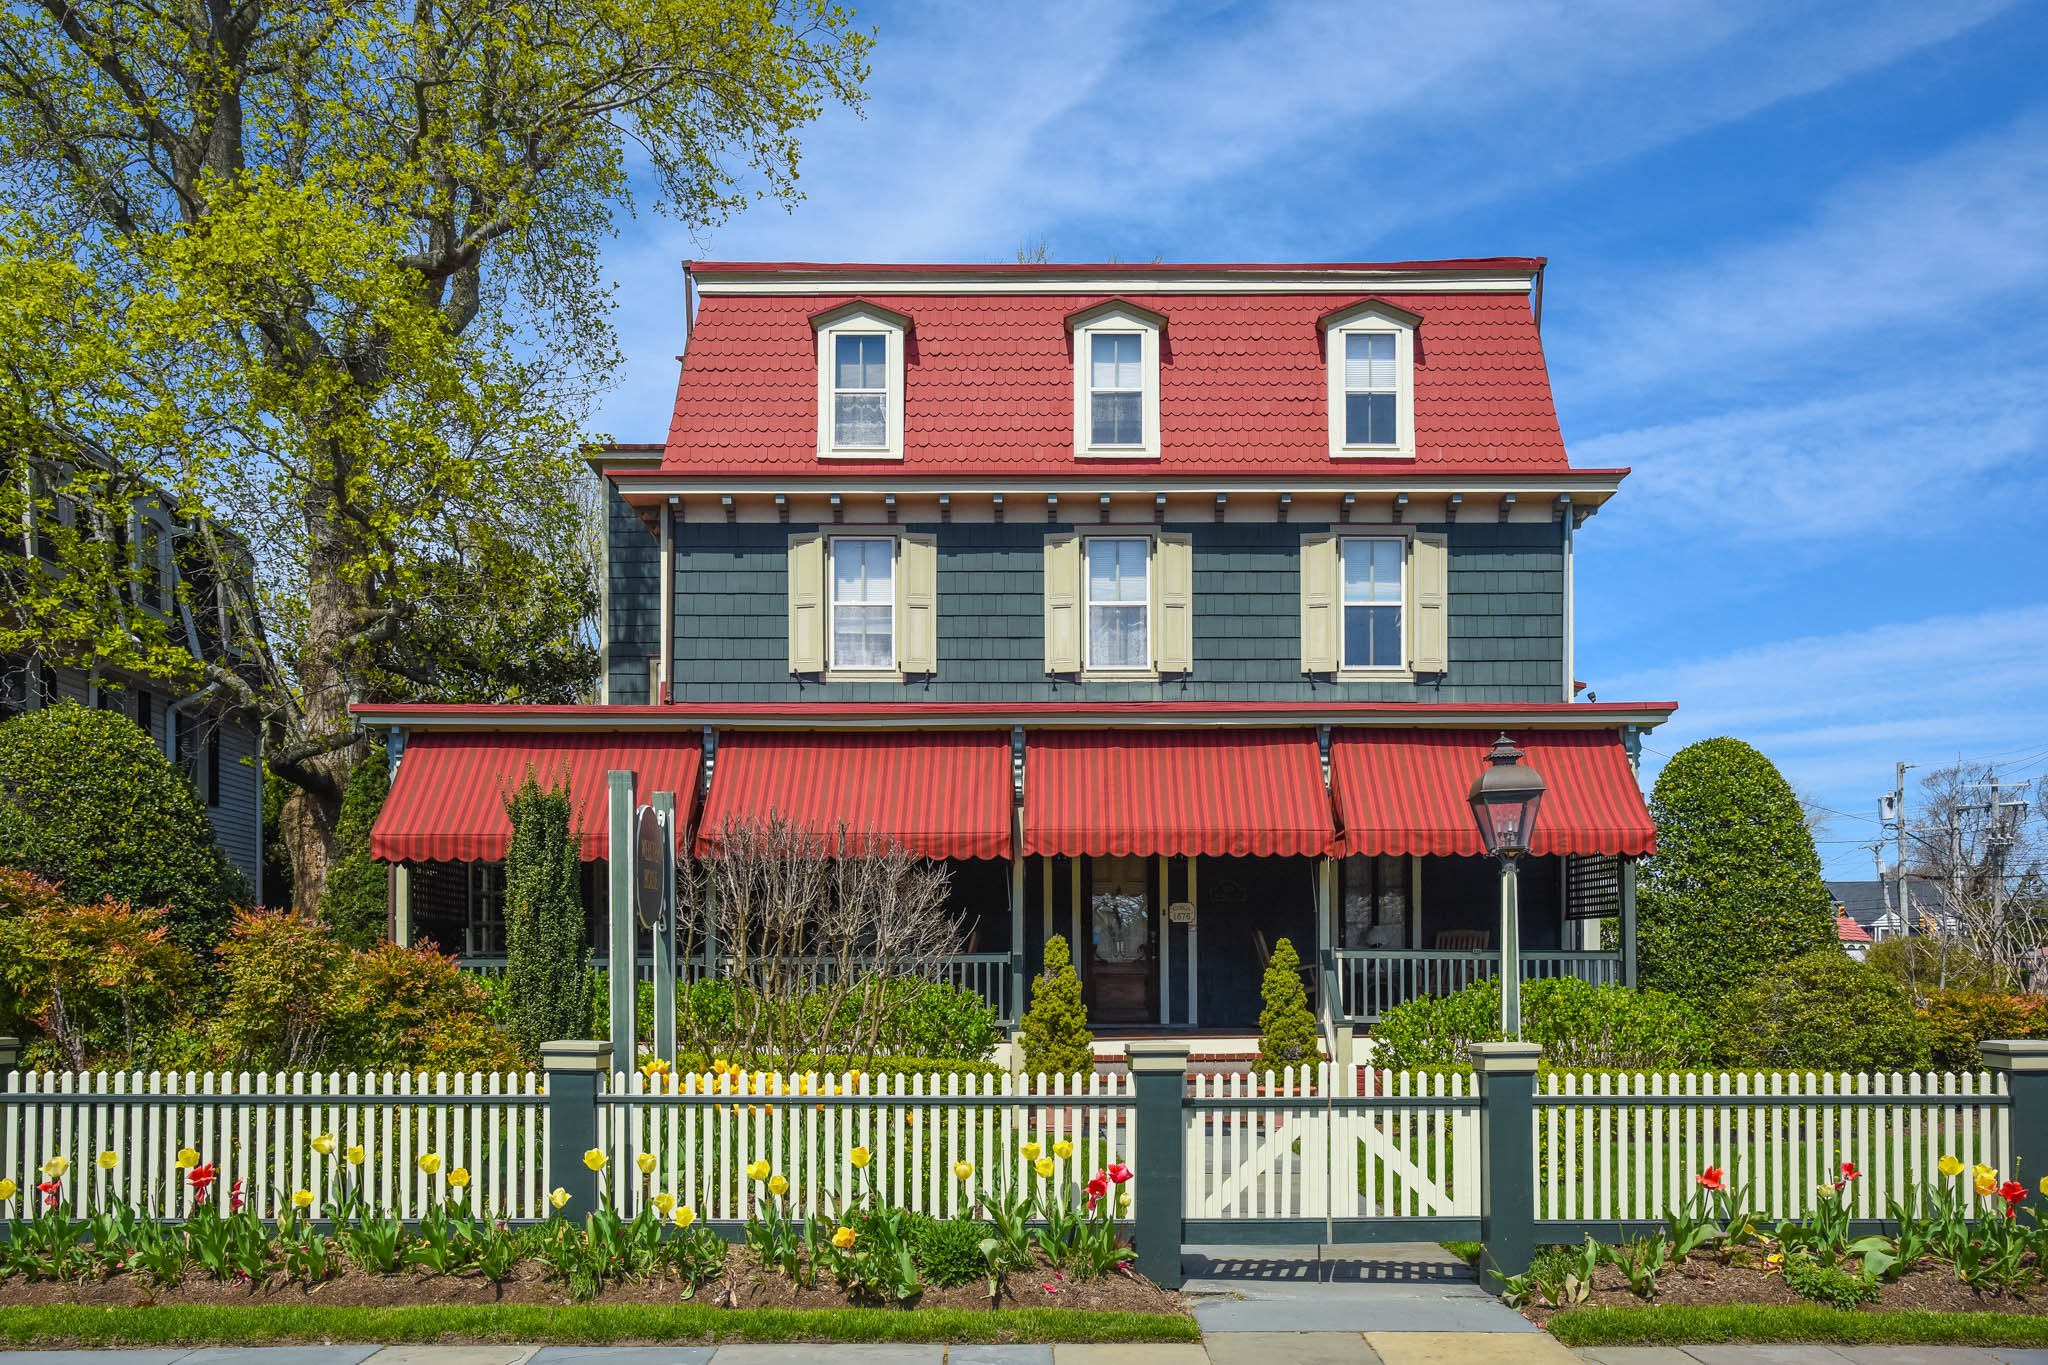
{"type": "Point", "coordinates": [1394, 672]}
{"type": "Point", "coordinates": [1372, 319]}
{"type": "Point", "coordinates": [832, 604]}
{"type": "Point", "coordinates": [1088, 664]}
{"type": "Point", "coordinates": [1116, 319]}
{"type": "Point", "coordinates": [860, 319]}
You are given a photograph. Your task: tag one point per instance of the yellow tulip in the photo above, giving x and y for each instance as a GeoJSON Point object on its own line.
{"type": "Point", "coordinates": [1980, 1170]}
{"type": "Point", "coordinates": [459, 1177]}
{"type": "Point", "coordinates": [1031, 1151]}
{"type": "Point", "coordinates": [187, 1158]}
{"type": "Point", "coordinates": [109, 1160]}
{"type": "Point", "coordinates": [1063, 1149]}
{"type": "Point", "coordinates": [1044, 1167]}
{"type": "Point", "coordinates": [757, 1170]}
{"type": "Point", "coordinates": [355, 1156]}
{"type": "Point", "coordinates": [1986, 1183]}
{"type": "Point", "coordinates": [2044, 1184]}
{"type": "Point", "coordinates": [963, 1170]}
{"type": "Point", "coordinates": [685, 1216]}
{"type": "Point", "coordinates": [860, 1157]}
{"type": "Point", "coordinates": [302, 1199]}
{"type": "Point", "coordinates": [845, 1238]}
{"type": "Point", "coordinates": [7, 1190]}
{"type": "Point", "coordinates": [645, 1161]}
{"type": "Point", "coordinates": [594, 1159]}
{"type": "Point", "coordinates": [663, 1203]}
{"type": "Point", "coordinates": [1949, 1166]}
{"type": "Point", "coordinates": [1123, 1202]}
{"type": "Point", "coordinates": [430, 1162]}
{"type": "Point", "coordinates": [778, 1187]}
{"type": "Point", "coordinates": [56, 1166]}
{"type": "Point", "coordinates": [559, 1197]}
{"type": "Point", "coordinates": [324, 1144]}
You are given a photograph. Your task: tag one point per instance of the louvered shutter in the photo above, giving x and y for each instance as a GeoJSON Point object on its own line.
{"type": "Point", "coordinates": [1321, 581]}
{"type": "Point", "coordinates": [1173, 597]}
{"type": "Point", "coordinates": [917, 646]}
{"type": "Point", "coordinates": [807, 602]}
{"type": "Point", "coordinates": [1063, 603]}
{"type": "Point", "coordinates": [1429, 639]}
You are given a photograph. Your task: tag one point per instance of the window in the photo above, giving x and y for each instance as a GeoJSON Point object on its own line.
{"type": "Point", "coordinates": [485, 931]}
{"type": "Point", "coordinates": [1119, 603]}
{"type": "Point", "coordinates": [863, 603]}
{"type": "Point", "coordinates": [149, 565]}
{"type": "Point", "coordinates": [860, 391]}
{"type": "Point", "coordinates": [1369, 390]}
{"type": "Point", "coordinates": [1375, 899]}
{"type": "Point", "coordinates": [1116, 389]}
{"type": "Point", "coordinates": [1373, 599]}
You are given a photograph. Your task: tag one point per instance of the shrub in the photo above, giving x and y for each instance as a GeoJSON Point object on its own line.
{"type": "Point", "coordinates": [948, 1252]}
{"type": "Point", "coordinates": [937, 1019]}
{"type": "Point", "coordinates": [91, 802]}
{"type": "Point", "coordinates": [1057, 1041]}
{"type": "Point", "coordinates": [1925, 966]}
{"type": "Point", "coordinates": [1579, 1026]}
{"type": "Point", "coordinates": [279, 979]}
{"type": "Point", "coordinates": [1735, 884]}
{"type": "Point", "coordinates": [1829, 1284]}
{"type": "Point", "coordinates": [1957, 1021]}
{"type": "Point", "coordinates": [1822, 1011]}
{"type": "Point", "coordinates": [547, 968]}
{"type": "Point", "coordinates": [1287, 1031]}
{"type": "Point", "coordinates": [412, 1008]}
{"type": "Point", "coordinates": [357, 902]}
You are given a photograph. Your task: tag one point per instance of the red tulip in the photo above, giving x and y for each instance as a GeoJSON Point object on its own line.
{"type": "Point", "coordinates": [201, 1179]}
{"type": "Point", "coordinates": [235, 1198]}
{"type": "Point", "coordinates": [1099, 1186]}
{"type": "Point", "coordinates": [49, 1190]}
{"type": "Point", "coordinates": [2012, 1192]}
{"type": "Point", "coordinates": [1119, 1173]}
{"type": "Point", "coordinates": [1710, 1179]}
{"type": "Point", "coordinates": [1849, 1171]}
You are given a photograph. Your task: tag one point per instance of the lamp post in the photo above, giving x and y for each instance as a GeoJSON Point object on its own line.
{"type": "Point", "coordinates": [1504, 800]}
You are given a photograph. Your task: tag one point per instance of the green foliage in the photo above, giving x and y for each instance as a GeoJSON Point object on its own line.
{"type": "Point", "coordinates": [948, 1252]}
{"type": "Point", "coordinates": [927, 1019]}
{"type": "Point", "coordinates": [88, 800]}
{"type": "Point", "coordinates": [412, 1008]}
{"type": "Point", "coordinates": [1957, 1021]}
{"type": "Point", "coordinates": [1057, 1041]}
{"type": "Point", "coordinates": [1926, 965]}
{"type": "Point", "coordinates": [357, 904]}
{"type": "Point", "coordinates": [1825, 1011]}
{"type": "Point", "coordinates": [281, 984]}
{"type": "Point", "coordinates": [1833, 1285]}
{"type": "Point", "coordinates": [1735, 885]}
{"type": "Point", "coordinates": [1287, 1031]}
{"type": "Point", "coordinates": [547, 968]}
{"type": "Point", "coordinates": [1579, 1026]}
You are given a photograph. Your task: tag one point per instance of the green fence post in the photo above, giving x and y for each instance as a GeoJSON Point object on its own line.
{"type": "Point", "coordinates": [2025, 1064]}
{"type": "Point", "coordinates": [1507, 1155]}
{"type": "Point", "coordinates": [1159, 1072]}
{"type": "Point", "coordinates": [576, 1071]}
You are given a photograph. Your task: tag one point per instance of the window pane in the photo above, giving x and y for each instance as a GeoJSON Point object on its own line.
{"type": "Point", "coordinates": [1372, 570]}
{"type": "Point", "coordinates": [1116, 419]}
{"type": "Point", "coordinates": [857, 420]}
{"type": "Point", "coordinates": [1368, 360]}
{"type": "Point", "coordinates": [861, 362]}
{"type": "Point", "coordinates": [1116, 637]}
{"type": "Point", "coordinates": [1369, 419]}
{"type": "Point", "coordinates": [1116, 570]}
{"type": "Point", "coordinates": [860, 638]}
{"type": "Point", "coordinates": [861, 570]}
{"type": "Point", "coordinates": [1372, 637]}
{"type": "Point", "coordinates": [1116, 362]}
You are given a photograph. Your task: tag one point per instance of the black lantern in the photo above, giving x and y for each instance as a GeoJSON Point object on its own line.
{"type": "Point", "coordinates": [1504, 800]}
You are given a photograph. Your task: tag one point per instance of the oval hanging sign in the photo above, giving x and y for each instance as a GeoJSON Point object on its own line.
{"type": "Point", "coordinates": [651, 873]}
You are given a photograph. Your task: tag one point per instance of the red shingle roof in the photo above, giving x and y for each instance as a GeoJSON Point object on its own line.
{"type": "Point", "coordinates": [989, 385]}
{"type": "Point", "coordinates": [1848, 930]}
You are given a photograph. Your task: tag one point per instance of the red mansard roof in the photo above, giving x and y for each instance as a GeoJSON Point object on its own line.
{"type": "Point", "coordinates": [989, 379]}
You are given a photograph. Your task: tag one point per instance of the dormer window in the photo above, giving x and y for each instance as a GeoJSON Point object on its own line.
{"type": "Point", "coordinates": [860, 381]}
{"type": "Point", "coordinates": [1116, 380]}
{"type": "Point", "coordinates": [1371, 350]}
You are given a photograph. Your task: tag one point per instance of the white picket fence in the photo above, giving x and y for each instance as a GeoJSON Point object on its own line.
{"type": "Point", "coordinates": [258, 1128]}
{"type": "Point", "coordinates": [1632, 1147]}
{"type": "Point", "coordinates": [704, 1131]}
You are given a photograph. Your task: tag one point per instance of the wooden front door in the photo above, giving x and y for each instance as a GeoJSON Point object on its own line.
{"type": "Point", "coordinates": [1123, 941]}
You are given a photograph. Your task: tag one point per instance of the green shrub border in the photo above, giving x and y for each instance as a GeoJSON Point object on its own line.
{"type": "Point", "coordinates": [1676, 1326]}
{"type": "Point", "coordinates": [593, 1324]}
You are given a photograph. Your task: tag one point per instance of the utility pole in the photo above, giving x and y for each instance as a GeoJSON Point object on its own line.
{"type": "Point", "coordinates": [1905, 896]}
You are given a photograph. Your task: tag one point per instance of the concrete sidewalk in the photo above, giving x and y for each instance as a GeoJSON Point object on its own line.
{"type": "Point", "coordinates": [1404, 1287]}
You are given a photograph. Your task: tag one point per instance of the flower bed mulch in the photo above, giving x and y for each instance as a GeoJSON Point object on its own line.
{"type": "Point", "coordinates": [1702, 1281]}
{"type": "Point", "coordinates": [743, 1284]}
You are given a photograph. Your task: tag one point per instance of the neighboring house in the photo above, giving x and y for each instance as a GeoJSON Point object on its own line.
{"type": "Point", "coordinates": [222, 755]}
{"type": "Point", "coordinates": [1874, 905]}
{"type": "Point", "coordinates": [1855, 940]}
{"type": "Point", "coordinates": [1173, 606]}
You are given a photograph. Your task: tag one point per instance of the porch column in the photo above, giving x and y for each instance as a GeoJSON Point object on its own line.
{"type": "Point", "coordinates": [1016, 1010]}
{"type": "Point", "coordinates": [401, 904]}
{"type": "Point", "coordinates": [623, 945]}
{"type": "Point", "coordinates": [1628, 922]}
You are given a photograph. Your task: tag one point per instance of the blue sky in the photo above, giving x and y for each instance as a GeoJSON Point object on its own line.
{"type": "Point", "coordinates": [1799, 263]}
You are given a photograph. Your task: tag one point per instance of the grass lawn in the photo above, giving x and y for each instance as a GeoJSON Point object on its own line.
{"type": "Point", "coordinates": [190, 1325]}
{"type": "Point", "coordinates": [1834, 1326]}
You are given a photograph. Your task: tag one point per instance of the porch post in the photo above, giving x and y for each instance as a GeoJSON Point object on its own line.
{"type": "Point", "coordinates": [1016, 1009]}
{"type": "Point", "coordinates": [624, 944]}
{"type": "Point", "coordinates": [1510, 950]}
{"type": "Point", "coordinates": [1628, 923]}
{"type": "Point", "coordinates": [401, 904]}
{"type": "Point", "coordinates": [665, 940]}
{"type": "Point", "coordinates": [1507, 1156]}
{"type": "Point", "coordinates": [1159, 1077]}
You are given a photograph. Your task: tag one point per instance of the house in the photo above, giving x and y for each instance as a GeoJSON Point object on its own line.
{"type": "Point", "coordinates": [218, 750]}
{"type": "Point", "coordinates": [1175, 607]}
{"type": "Point", "coordinates": [1873, 905]}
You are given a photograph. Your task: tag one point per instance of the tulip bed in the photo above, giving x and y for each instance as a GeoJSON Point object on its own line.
{"type": "Point", "coordinates": [1964, 1240]}
{"type": "Point", "coordinates": [1028, 1244]}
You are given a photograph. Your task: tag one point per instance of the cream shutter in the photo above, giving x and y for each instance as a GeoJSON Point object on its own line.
{"type": "Point", "coordinates": [1063, 603]}
{"type": "Point", "coordinates": [807, 602]}
{"type": "Point", "coordinates": [1173, 596]}
{"type": "Point", "coordinates": [917, 603]}
{"type": "Point", "coordinates": [1321, 584]}
{"type": "Point", "coordinates": [1429, 571]}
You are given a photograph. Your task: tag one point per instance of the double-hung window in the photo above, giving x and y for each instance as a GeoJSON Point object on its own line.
{"type": "Point", "coordinates": [1119, 603]}
{"type": "Point", "coordinates": [860, 391]}
{"type": "Point", "coordinates": [1374, 596]}
{"type": "Point", "coordinates": [1371, 390]}
{"type": "Point", "coordinates": [1116, 389]}
{"type": "Point", "coordinates": [1375, 898]}
{"type": "Point", "coordinates": [863, 603]}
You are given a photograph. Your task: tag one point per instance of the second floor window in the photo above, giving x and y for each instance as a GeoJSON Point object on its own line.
{"type": "Point", "coordinates": [1370, 389]}
{"type": "Point", "coordinates": [860, 391]}
{"type": "Point", "coordinates": [863, 603]}
{"type": "Point", "coordinates": [1119, 603]}
{"type": "Point", "coordinates": [1373, 598]}
{"type": "Point", "coordinates": [1116, 389]}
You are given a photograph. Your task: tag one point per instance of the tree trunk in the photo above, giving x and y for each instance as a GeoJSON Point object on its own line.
{"type": "Point", "coordinates": [334, 611]}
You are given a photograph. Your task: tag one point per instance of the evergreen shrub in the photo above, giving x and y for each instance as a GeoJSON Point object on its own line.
{"type": "Point", "coordinates": [1579, 1026]}
{"type": "Point", "coordinates": [357, 902]}
{"type": "Point", "coordinates": [1823, 1011]}
{"type": "Point", "coordinates": [1057, 1041]}
{"type": "Point", "coordinates": [1957, 1021]}
{"type": "Point", "coordinates": [547, 967]}
{"type": "Point", "coordinates": [1287, 1030]}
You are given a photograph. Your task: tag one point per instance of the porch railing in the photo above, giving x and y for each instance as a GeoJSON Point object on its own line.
{"type": "Point", "coordinates": [1374, 980]}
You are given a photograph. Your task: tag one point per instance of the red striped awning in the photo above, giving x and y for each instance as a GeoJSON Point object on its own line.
{"type": "Point", "coordinates": [1225, 793]}
{"type": "Point", "coordinates": [1403, 791]}
{"type": "Point", "coordinates": [448, 801]}
{"type": "Point", "coordinates": [941, 794]}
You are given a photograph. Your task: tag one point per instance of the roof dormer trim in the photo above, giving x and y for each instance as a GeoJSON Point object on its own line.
{"type": "Point", "coordinates": [1364, 308]}
{"type": "Point", "coordinates": [859, 308]}
{"type": "Point", "coordinates": [1115, 307]}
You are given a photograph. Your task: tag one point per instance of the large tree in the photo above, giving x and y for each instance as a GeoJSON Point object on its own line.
{"type": "Point", "coordinates": [1735, 885]}
{"type": "Point", "coordinates": [325, 272]}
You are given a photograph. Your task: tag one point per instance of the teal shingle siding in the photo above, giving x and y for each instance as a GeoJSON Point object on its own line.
{"type": "Point", "coordinates": [633, 569]}
{"type": "Point", "coordinates": [1506, 619]}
